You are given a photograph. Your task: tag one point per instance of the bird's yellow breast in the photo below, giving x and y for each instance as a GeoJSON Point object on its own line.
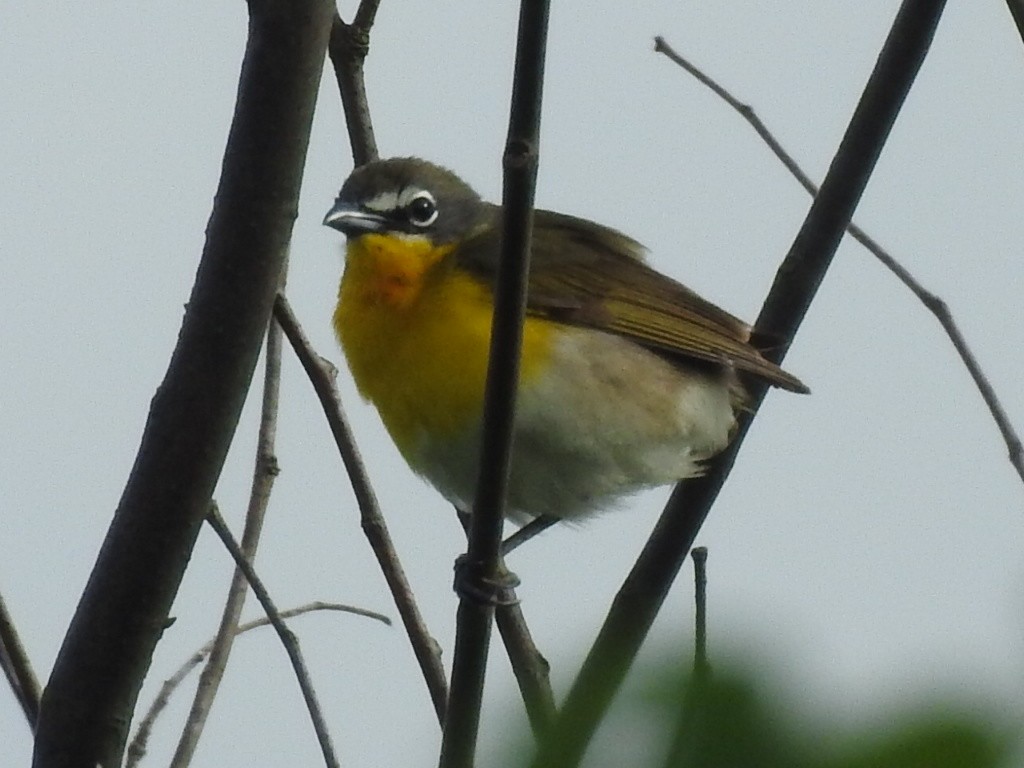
{"type": "Point", "coordinates": [416, 333]}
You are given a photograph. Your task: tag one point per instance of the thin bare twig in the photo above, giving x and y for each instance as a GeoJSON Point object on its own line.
{"type": "Point", "coordinates": [264, 472]}
{"type": "Point", "coordinates": [933, 303]}
{"type": "Point", "coordinates": [700, 603]}
{"type": "Point", "coordinates": [139, 744]}
{"type": "Point", "coordinates": [17, 667]}
{"type": "Point", "coordinates": [796, 283]}
{"type": "Point", "coordinates": [692, 723]}
{"type": "Point", "coordinates": [321, 374]}
{"type": "Point", "coordinates": [288, 638]}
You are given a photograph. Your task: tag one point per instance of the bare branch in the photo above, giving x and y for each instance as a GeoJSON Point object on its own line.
{"type": "Point", "coordinates": [348, 47]}
{"type": "Point", "coordinates": [796, 283]}
{"type": "Point", "coordinates": [692, 722]}
{"type": "Point", "coordinates": [264, 472]}
{"type": "Point", "coordinates": [137, 747]}
{"type": "Point", "coordinates": [88, 703]}
{"type": "Point", "coordinates": [528, 663]}
{"type": "Point", "coordinates": [529, 666]}
{"type": "Point", "coordinates": [933, 303]}
{"type": "Point", "coordinates": [288, 638]}
{"type": "Point", "coordinates": [321, 374]}
{"type": "Point", "coordinates": [483, 559]}
{"type": "Point", "coordinates": [365, 14]}
{"type": "Point", "coordinates": [700, 601]}
{"type": "Point", "coordinates": [17, 667]}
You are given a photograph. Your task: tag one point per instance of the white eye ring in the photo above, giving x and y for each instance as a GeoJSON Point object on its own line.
{"type": "Point", "coordinates": [421, 209]}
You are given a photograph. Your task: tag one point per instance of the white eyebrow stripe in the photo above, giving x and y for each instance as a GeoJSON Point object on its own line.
{"type": "Point", "coordinates": [409, 194]}
{"type": "Point", "coordinates": [382, 202]}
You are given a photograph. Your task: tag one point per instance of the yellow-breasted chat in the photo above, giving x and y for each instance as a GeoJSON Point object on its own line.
{"type": "Point", "coordinates": [628, 378]}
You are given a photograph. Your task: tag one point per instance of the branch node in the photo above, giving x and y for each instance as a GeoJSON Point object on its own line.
{"type": "Point", "coordinates": [520, 154]}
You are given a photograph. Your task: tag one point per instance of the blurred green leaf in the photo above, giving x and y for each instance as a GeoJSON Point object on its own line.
{"type": "Point", "coordinates": [732, 719]}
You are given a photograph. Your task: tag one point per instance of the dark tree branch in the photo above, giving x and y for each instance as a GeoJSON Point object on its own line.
{"type": "Point", "coordinates": [288, 638]}
{"type": "Point", "coordinates": [638, 601]}
{"type": "Point", "coordinates": [321, 374]}
{"type": "Point", "coordinates": [92, 691]}
{"type": "Point", "coordinates": [139, 744]}
{"type": "Point", "coordinates": [17, 667]}
{"type": "Point", "coordinates": [933, 303]}
{"type": "Point", "coordinates": [484, 554]}
{"type": "Point", "coordinates": [264, 473]}
{"type": "Point", "coordinates": [348, 48]}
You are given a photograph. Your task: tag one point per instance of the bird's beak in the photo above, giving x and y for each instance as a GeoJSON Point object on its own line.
{"type": "Point", "coordinates": [353, 221]}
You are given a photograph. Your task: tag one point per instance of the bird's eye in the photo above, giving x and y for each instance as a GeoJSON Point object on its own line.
{"type": "Point", "coordinates": [422, 210]}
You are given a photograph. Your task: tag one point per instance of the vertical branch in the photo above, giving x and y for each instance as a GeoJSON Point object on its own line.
{"type": "Point", "coordinates": [348, 47]}
{"type": "Point", "coordinates": [692, 726]}
{"type": "Point", "coordinates": [700, 604]}
{"type": "Point", "coordinates": [88, 703]}
{"type": "Point", "coordinates": [638, 601]}
{"type": "Point", "coordinates": [529, 666]}
{"type": "Point", "coordinates": [264, 472]}
{"type": "Point", "coordinates": [520, 163]}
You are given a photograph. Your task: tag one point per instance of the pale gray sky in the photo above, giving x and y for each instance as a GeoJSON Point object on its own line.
{"type": "Point", "coordinates": [870, 537]}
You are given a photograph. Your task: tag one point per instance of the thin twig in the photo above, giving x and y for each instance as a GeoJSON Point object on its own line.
{"type": "Point", "coordinates": [264, 472]}
{"type": "Point", "coordinates": [92, 692]}
{"type": "Point", "coordinates": [288, 638]}
{"type": "Point", "coordinates": [643, 592]}
{"type": "Point", "coordinates": [933, 303]}
{"type": "Point", "coordinates": [139, 744]}
{"type": "Point", "coordinates": [700, 604]}
{"type": "Point", "coordinates": [692, 724]}
{"type": "Point", "coordinates": [321, 374]}
{"type": "Point", "coordinates": [17, 667]}
{"type": "Point", "coordinates": [473, 621]}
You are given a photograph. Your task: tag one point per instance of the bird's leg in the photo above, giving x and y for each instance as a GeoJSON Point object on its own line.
{"type": "Point", "coordinates": [527, 532]}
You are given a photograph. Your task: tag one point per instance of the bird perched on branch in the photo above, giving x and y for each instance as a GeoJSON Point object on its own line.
{"type": "Point", "coordinates": [628, 379]}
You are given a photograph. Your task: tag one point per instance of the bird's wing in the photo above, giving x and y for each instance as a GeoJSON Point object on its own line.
{"type": "Point", "coordinates": [587, 275]}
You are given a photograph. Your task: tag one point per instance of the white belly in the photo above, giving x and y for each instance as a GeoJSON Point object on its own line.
{"type": "Point", "coordinates": [606, 420]}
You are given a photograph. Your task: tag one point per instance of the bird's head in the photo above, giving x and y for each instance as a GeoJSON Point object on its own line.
{"type": "Point", "coordinates": [409, 198]}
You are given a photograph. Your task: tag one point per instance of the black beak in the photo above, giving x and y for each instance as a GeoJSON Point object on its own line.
{"type": "Point", "coordinates": [352, 221]}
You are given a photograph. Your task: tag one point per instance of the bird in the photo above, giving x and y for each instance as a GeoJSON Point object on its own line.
{"type": "Point", "coordinates": [628, 379]}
